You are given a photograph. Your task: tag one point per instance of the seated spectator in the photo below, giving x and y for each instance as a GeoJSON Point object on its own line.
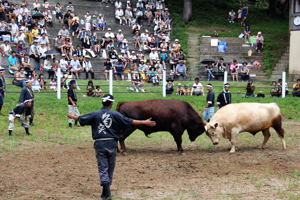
{"type": "Point", "coordinates": [5, 49]}
{"type": "Point", "coordinates": [90, 89]}
{"type": "Point", "coordinates": [64, 32]}
{"type": "Point", "coordinates": [286, 86]}
{"type": "Point", "coordinates": [296, 89]}
{"type": "Point", "coordinates": [58, 13]}
{"type": "Point", "coordinates": [275, 90]}
{"type": "Point", "coordinates": [137, 40]}
{"type": "Point", "coordinates": [153, 76]}
{"type": "Point", "coordinates": [13, 64]}
{"type": "Point", "coordinates": [119, 38]}
{"type": "Point", "coordinates": [48, 66]}
{"type": "Point", "coordinates": [259, 42]}
{"type": "Point", "coordinates": [119, 14]}
{"type": "Point", "coordinates": [101, 23]}
{"type": "Point", "coordinates": [247, 32]}
{"type": "Point", "coordinates": [179, 90]}
{"type": "Point", "coordinates": [88, 68]}
{"type": "Point", "coordinates": [209, 70]}
{"type": "Point", "coordinates": [181, 70]}
{"type": "Point", "coordinates": [109, 36]}
{"type": "Point", "coordinates": [25, 63]}
{"type": "Point", "coordinates": [35, 53]}
{"type": "Point", "coordinates": [221, 66]}
{"type": "Point", "coordinates": [119, 69]}
{"type": "Point", "coordinates": [169, 86]}
{"type": "Point", "coordinates": [186, 90]}
{"type": "Point", "coordinates": [250, 89]}
{"type": "Point", "coordinates": [137, 83]}
{"type": "Point", "coordinates": [35, 85]}
{"type": "Point", "coordinates": [63, 63]}
{"type": "Point", "coordinates": [176, 46]}
{"type": "Point", "coordinates": [197, 88]}
{"type": "Point", "coordinates": [231, 16]}
{"type": "Point", "coordinates": [20, 78]}
{"type": "Point", "coordinates": [98, 92]}
{"type": "Point", "coordinates": [244, 72]}
{"type": "Point", "coordinates": [234, 70]}
{"type": "Point", "coordinates": [75, 66]}
{"type": "Point", "coordinates": [53, 84]}
{"type": "Point", "coordinates": [42, 81]}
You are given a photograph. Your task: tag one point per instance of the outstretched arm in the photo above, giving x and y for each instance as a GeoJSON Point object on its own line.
{"type": "Point", "coordinates": [70, 115]}
{"type": "Point", "coordinates": [147, 122]}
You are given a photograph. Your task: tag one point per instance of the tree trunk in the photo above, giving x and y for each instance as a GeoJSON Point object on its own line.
{"type": "Point", "coordinates": [272, 6]}
{"type": "Point", "coordinates": [187, 10]}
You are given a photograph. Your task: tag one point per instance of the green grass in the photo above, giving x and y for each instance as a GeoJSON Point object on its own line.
{"type": "Point", "coordinates": [207, 18]}
{"type": "Point", "coordinates": [51, 124]}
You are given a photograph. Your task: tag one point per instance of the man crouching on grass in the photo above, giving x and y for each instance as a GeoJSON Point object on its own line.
{"type": "Point", "coordinates": [106, 127]}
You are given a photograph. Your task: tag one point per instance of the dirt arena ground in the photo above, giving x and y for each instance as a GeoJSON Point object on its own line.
{"type": "Point", "coordinates": [156, 171]}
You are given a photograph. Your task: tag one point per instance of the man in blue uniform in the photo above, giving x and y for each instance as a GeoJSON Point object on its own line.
{"type": "Point", "coordinates": [20, 112]}
{"type": "Point", "coordinates": [209, 109]}
{"type": "Point", "coordinates": [26, 94]}
{"type": "Point", "coordinates": [106, 127]}
{"type": "Point", "coordinates": [2, 87]}
{"type": "Point", "coordinates": [224, 98]}
{"type": "Point", "coordinates": [72, 102]}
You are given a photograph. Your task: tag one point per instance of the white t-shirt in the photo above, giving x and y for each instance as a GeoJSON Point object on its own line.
{"type": "Point", "coordinates": [197, 88]}
{"type": "Point", "coordinates": [109, 35]}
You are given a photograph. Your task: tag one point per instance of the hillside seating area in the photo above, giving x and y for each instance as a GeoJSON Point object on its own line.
{"type": "Point", "coordinates": [133, 38]}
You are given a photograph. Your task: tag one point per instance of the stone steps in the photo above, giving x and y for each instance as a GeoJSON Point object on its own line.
{"type": "Point", "coordinates": [281, 66]}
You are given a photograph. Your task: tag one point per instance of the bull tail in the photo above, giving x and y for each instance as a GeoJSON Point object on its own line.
{"type": "Point", "coordinates": [119, 106]}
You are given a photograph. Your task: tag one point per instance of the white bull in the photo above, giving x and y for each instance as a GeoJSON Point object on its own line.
{"type": "Point", "coordinates": [233, 119]}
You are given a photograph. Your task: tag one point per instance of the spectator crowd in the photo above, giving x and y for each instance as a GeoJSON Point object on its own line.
{"type": "Point", "coordinates": [30, 52]}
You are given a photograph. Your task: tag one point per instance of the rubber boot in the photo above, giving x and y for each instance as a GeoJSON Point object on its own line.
{"type": "Point", "coordinates": [10, 132]}
{"type": "Point", "coordinates": [27, 131]}
{"type": "Point", "coordinates": [70, 125]}
{"type": "Point", "coordinates": [106, 194]}
{"type": "Point", "coordinates": [31, 122]}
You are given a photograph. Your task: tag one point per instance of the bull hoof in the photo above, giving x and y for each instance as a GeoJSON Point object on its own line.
{"type": "Point", "coordinates": [232, 151]}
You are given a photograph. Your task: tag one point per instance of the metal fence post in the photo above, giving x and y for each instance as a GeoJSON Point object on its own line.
{"type": "Point", "coordinates": [225, 76]}
{"type": "Point", "coordinates": [111, 82]}
{"type": "Point", "coordinates": [58, 74]}
{"type": "Point", "coordinates": [164, 82]}
{"type": "Point", "coordinates": [283, 84]}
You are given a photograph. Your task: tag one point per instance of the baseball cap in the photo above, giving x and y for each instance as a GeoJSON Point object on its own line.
{"type": "Point", "coordinates": [2, 69]}
{"type": "Point", "coordinates": [108, 97]}
{"type": "Point", "coordinates": [226, 85]}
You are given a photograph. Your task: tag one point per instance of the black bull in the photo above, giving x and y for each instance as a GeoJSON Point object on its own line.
{"type": "Point", "coordinates": [171, 115]}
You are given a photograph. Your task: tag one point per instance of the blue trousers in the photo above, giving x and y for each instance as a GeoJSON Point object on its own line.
{"type": "Point", "coordinates": [1, 98]}
{"type": "Point", "coordinates": [106, 159]}
{"type": "Point", "coordinates": [208, 113]}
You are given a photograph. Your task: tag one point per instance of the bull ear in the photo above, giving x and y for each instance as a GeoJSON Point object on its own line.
{"type": "Point", "coordinates": [216, 125]}
{"type": "Point", "coordinates": [205, 127]}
